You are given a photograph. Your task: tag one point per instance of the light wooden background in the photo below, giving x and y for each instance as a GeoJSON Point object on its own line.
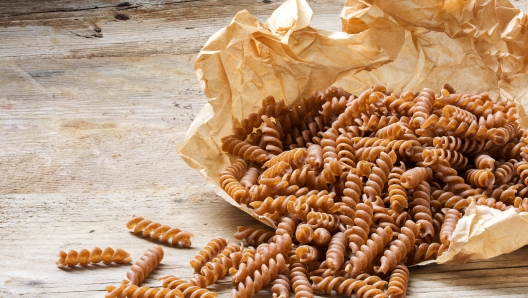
{"type": "Point", "coordinates": [88, 127]}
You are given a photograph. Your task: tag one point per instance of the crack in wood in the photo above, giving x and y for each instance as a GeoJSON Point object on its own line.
{"type": "Point", "coordinates": [119, 6]}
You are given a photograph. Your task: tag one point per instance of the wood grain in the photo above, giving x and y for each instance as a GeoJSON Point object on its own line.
{"type": "Point", "coordinates": [88, 128]}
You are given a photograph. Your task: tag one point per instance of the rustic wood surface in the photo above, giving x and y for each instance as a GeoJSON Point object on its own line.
{"type": "Point", "coordinates": [88, 126]}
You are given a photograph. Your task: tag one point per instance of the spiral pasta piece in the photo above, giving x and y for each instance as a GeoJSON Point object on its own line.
{"type": "Point", "coordinates": [323, 220]}
{"type": "Point", "coordinates": [463, 146]}
{"type": "Point", "coordinates": [243, 149]}
{"type": "Point", "coordinates": [400, 247]}
{"type": "Point", "coordinates": [426, 251]}
{"type": "Point", "coordinates": [295, 158]}
{"type": "Point", "coordinates": [321, 236]}
{"type": "Point", "coordinates": [347, 287]}
{"type": "Point", "coordinates": [432, 156]}
{"type": "Point", "coordinates": [379, 175]}
{"type": "Point", "coordinates": [421, 208]}
{"type": "Point", "coordinates": [307, 253]}
{"type": "Point", "coordinates": [262, 277]}
{"type": "Point", "coordinates": [304, 234]}
{"type": "Point", "coordinates": [299, 278]}
{"type": "Point", "coordinates": [188, 290]}
{"type": "Point", "coordinates": [484, 162]}
{"type": "Point", "coordinates": [281, 285]}
{"type": "Point", "coordinates": [211, 250]}
{"type": "Point", "coordinates": [253, 236]}
{"type": "Point", "coordinates": [373, 247]}
{"type": "Point", "coordinates": [412, 177]}
{"type": "Point", "coordinates": [249, 179]}
{"type": "Point", "coordinates": [273, 207]}
{"type": "Point", "coordinates": [358, 234]}
{"type": "Point", "coordinates": [397, 193]}
{"type": "Point", "coordinates": [334, 106]}
{"type": "Point", "coordinates": [128, 290]}
{"type": "Point", "coordinates": [85, 257]}
{"type": "Point", "coordinates": [505, 172]}
{"type": "Point", "coordinates": [451, 218]}
{"type": "Point", "coordinates": [230, 181]}
{"type": "Point", "coordinates": [278, 169]}
{"type": "Point", "coordinates": [480, 178]}
{"type": "Point", "coordinates": [335, 255]}
{"type": "Point", "coordinates": [148, 262]}
{"type": "Point", "coordinates": [217, 268]}
{"type": "Point", "coordinates": [157, 231]}
{"type": "Point", "coordinates": [398, 281]}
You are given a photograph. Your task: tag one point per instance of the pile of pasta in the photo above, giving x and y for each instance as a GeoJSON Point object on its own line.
{"type": "Point", "coordinates": [362, 186]}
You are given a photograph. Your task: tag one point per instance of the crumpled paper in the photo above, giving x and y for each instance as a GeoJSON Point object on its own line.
{"type": "Point", "coordinates": [475, 46]}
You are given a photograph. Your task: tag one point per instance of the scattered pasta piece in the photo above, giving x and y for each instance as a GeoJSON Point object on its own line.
{"type": "Point", "coordinates": [97, 255]}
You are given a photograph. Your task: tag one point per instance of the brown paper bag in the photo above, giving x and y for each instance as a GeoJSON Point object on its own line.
{"type": "Point", "coordinates": [475, 46]}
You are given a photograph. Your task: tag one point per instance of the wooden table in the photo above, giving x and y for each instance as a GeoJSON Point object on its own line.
{"type": "Point", "coordinates": [94, 96]}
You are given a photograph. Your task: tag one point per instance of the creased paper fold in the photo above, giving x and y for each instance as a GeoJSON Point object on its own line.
{"type": "Point", "coordinates": [475, 46]}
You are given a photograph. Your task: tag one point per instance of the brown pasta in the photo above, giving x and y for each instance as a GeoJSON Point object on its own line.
{"type": "Point", "coordinates": [128, 290]}
{"type": "Point", "coordinates": [253, 236]}
{"type": "Point", "coordinates": [304, 233]}
{"type": "Point", "coordinates": [343, 286]}
{"type": "Point", "coordinates": [157, 231]}
{"type": "Point", "coordinates": [188, 290]}
{"type": "Point", "coordinates": [148, 262]}
{"type": "Point", "coordinates": [299, 278]}
{"type": "Point", "coordinates": [244, 150]}
{"type": "Point", "coordinates": [85, 257]}
{"type": "Point", "coordinates": [335, 256]}
{"type": "Point", "coordinates": [412, 177]}
{"type": "Point", "coordinates": [323, 220]}
{"type": "Point", "coordinates": [399, 279]}
{"type": "Point", "coordinates": [480, 178]}
{"type": "Point", "coordinates": [451, 218]}
{"type": "Point", "coordinates": [374, 246]}
{"type": "Point", "coordinates": [249, 179]}
{"type": "Point", "coordinates": [261, 278]}
{"type": "Point", "coordinates": [210, 251]}
{"type": "Point", "coordinates": [358, 234]}
{"type": "Point", "coordinates": [400, 247]}
{"type": "Point", "coordinates": [230, 180]}
{"type": "Point", "coordinates": [216, 268]}
{"type": "Point", "coordinates": [281, 285]}
{"type": "Point", "coordinates": [321, 237]}
{"type": "Point", "coordinates": [387, 174]}
{"type": "Point", "coordinates": [308, 254]}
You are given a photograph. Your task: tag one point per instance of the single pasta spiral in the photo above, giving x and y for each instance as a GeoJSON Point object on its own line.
{"type": "Point", "coordinates": [142, 268]}
{"type": "Point", "coordinates": [398, 281]}
{"type": "Point", "coordinates": [262, 277]}
{"type": "Point", "coordinates": [307, 253]}
{"type": "Point", "coordinates": [216, 268]}
{"type": "Point", "coordinates": [358, 234]}
{"type": "Point", "coordinates": [299, 278]}
{"type": "Point", "coordinates": [451, 218]}
{"type": "Point", "coordinates": [210, 251]}
{"type": "Point", "coordinates": [374, 246]}
{"type": "Point", "coordinates": [128, 290]}
{"type": "Point", "coordinates": [253, 236]}
{"type": "Point", "coordinates": [335, 255]}
{"type": "Point", "coordinates": [97, 255]}
{"type": "Point", "coordinates": [347, 287]}
{"type": "Point", "coordinates": [323, 220]}
{"type": "Point", "coordinates": [243, 149]}
{"type": "Point", "coordinates": [400, 247]}
{"type": "Point", "coordinates": [230, 180]}
{"type": "Point", "coordinates": [160, 232]}
{"type": "Point", "coordinates": [412, 177]}
{"type": "Point", "coordinates": [304, 233]}
{"type": "Point", "coordinates": [186, 288]}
